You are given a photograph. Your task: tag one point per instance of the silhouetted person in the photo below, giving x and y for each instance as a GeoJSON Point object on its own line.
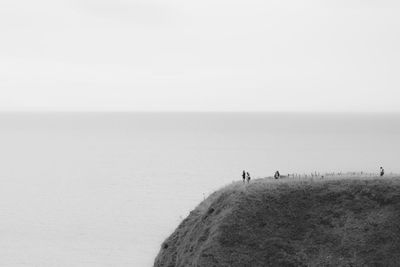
{"type": "Point", "coordinates": [382, 172]}
{"type": "Point", "coordinates": [248, 177]}
{"type": "Point", "coordinates": [244, 176]}
{"type": "Point", "coordinates": [277, 175]}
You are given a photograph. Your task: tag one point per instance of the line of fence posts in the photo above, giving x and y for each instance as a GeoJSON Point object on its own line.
{"type": "Point", "coordinates": [316, 174]}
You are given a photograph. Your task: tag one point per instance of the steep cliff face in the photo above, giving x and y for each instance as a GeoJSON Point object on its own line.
{"type": "Point", "coordinates": [346, 222]}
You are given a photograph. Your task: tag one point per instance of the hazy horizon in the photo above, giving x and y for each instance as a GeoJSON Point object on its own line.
{"type": "Point", "coordinates": [328, 113]}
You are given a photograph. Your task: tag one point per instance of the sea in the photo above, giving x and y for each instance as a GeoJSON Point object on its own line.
{"type": "Point", "coordinates": [106, 189]}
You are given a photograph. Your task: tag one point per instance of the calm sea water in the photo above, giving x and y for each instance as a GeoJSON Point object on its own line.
{"type": "Point", "coordinates": [107, 189]}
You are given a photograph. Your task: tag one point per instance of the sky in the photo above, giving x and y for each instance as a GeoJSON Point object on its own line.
{"type": "Point", "coordinates": [209, 55]}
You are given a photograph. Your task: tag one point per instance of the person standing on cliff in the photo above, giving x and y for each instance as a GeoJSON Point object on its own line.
{"type": "Point", "coordinates": [248, 177]}
{"type": "Point", "coordinates": [244, 176]}
{"type": "Point", "coordinates": [382, 172]}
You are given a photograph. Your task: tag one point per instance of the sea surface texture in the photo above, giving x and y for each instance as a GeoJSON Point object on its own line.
{"type": "Point", "coordinates": [103, 189]}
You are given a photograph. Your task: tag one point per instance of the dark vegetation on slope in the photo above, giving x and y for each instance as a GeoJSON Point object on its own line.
{"type": "Point", "coordinates": [347, 222]}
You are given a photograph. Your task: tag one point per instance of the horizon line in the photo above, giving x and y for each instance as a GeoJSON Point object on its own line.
{"type": "Point", "coordinates": [190, 112]}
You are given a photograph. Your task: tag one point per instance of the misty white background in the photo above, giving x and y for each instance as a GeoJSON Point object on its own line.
{"type": "Point", "coordinates": [100, 189]}
{"type": "Point", "coordinates": [199, 55]}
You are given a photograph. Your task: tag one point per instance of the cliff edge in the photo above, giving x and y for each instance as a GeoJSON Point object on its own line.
{"type": "Point", "coordinates": [336, 222]}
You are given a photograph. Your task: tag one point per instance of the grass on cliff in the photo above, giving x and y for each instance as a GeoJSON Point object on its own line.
{"type": "Point", "coordinates": [292, 222]}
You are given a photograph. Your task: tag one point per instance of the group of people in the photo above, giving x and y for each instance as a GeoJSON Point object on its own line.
{"type": "Point", "coordinates": [277, 175]}
{"type": "Point", "coordinates": [246, 175]}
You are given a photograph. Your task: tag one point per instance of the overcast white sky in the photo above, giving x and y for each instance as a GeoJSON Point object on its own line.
{"type": "Point", "coordinates": [209, 55]}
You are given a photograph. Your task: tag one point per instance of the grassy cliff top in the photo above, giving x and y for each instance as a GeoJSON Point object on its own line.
{"type": "Point", "coordinates": [320, 222]}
